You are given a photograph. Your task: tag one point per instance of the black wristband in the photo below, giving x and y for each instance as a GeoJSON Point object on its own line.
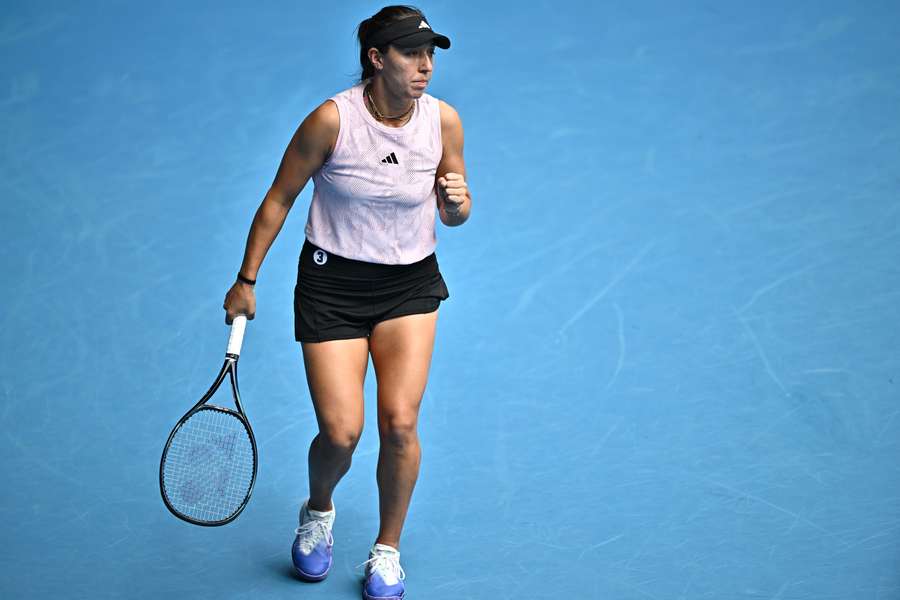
{"type": "Point", "coordinates": [242, 279]}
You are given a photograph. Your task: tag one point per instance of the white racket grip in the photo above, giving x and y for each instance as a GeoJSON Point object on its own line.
{"type": "Point", "coordinates": [237, 335]}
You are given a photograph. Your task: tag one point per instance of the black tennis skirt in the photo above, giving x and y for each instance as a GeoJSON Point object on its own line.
{"type": "Point", "coordinates": [338, 298]}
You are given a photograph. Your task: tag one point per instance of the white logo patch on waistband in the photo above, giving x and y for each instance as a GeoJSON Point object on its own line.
{"type": "Point", "coordinates": [320, 257]}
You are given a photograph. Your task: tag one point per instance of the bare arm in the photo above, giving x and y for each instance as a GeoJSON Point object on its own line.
{"type": "Point", "coordinates": [454, 198]}
{"type": "Point", "coordinates": [308, 149]}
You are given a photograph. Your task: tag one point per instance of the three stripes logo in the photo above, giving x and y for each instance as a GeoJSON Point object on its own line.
{"type": "Point", "coordinates": [390, 159]}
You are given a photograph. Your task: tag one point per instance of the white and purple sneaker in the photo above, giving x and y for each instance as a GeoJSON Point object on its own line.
{"type": "Point", "coordinates": [384, 575]}
{"type": "Point", "coordinates": [311, 552]}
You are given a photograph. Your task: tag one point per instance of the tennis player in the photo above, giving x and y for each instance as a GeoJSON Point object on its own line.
{"type": "Point", "coordinates": [384, 156]}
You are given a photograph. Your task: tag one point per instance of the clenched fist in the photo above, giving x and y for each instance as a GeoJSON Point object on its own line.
{"type": "Point", "coordinates": [453, 191]}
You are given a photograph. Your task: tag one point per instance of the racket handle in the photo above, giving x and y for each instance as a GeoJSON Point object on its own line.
{"type": "Point", "coordinates": [237, 335]}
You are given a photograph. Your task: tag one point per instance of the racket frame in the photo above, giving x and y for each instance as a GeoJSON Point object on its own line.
{"type": "Point", "coordinates": [229, 369]}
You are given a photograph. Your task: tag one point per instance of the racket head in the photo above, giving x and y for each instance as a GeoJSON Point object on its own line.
{"type": "Point", "coordinates": [208, 467]}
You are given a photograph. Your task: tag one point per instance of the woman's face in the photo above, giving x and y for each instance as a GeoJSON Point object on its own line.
{"type": "Point", "coordinates": [407, 71]}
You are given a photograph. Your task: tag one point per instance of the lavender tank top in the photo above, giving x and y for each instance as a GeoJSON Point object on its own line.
{"type": "Point", "coordinates": [374, 198]}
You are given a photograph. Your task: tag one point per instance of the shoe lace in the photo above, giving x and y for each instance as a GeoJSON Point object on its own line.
{"type": "Point", "coordinates": [311, 532]}
{"type": "Point", "coordinates": [387, 565]}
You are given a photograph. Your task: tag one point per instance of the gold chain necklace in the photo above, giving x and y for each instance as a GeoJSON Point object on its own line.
{"type": "Point", "coordinates": [378, 114]}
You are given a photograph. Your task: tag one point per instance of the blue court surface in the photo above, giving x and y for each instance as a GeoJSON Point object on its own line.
{"type": "Point", "coordinates": [669, 366]}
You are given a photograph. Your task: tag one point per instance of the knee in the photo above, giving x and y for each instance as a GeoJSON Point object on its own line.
{"type": "Point", "coordinates": [398, 431]}
{"type": "Point", "coordinates": [342, 441]}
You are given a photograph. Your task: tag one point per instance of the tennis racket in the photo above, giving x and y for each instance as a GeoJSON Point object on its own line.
{"type": "Point", "coordinates": [208, 466]}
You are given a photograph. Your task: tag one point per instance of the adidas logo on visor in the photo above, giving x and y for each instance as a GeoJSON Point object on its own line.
{"type": "Point", "coordinates": [424, 25]}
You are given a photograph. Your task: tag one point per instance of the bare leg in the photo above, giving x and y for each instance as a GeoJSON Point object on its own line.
{"type": "Point", "coordinates": [335, 372]}
{"type": "Point", "coordinates": [401, 352]}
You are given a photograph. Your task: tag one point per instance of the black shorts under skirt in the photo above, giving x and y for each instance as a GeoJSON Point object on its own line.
{"type": "Point", "coordinates": [338, 298]}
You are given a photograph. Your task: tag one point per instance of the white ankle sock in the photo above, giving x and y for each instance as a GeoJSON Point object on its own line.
{"type": "Point", "coordinates": [320, 514]}
{"type": "Point", "coordinates": [384, 548]}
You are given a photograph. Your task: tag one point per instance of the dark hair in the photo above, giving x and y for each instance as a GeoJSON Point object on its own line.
{"type": "Point", "coordinates": [375, 23]}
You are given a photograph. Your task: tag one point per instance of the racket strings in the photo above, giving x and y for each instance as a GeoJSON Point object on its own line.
{"type": "Point", "coordinates": [209, 466]}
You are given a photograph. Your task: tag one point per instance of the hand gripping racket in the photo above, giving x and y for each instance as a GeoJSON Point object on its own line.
{"type": "Point", "coordinates": [208, 466]}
